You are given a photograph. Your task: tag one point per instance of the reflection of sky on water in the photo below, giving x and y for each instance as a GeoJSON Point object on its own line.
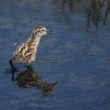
{"type": "Point", "coordinates": [78, 54]}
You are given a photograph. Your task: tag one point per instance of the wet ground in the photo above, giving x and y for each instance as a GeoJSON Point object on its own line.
{"type": "Point", "coordinates": [74, 73]}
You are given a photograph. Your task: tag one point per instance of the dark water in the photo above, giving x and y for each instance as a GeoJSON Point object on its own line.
{"type": "Point", "coordinates": [76, 55]}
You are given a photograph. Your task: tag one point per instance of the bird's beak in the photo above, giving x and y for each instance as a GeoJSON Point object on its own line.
{"type": "Point", "coordinates": [47, 31]}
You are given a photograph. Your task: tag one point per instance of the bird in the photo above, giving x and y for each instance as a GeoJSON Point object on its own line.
{"type": "Point", "coordinates": [26, 51]}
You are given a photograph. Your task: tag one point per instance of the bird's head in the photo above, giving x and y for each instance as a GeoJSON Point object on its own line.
{"type": "Point", "coordinates": [39, 30]}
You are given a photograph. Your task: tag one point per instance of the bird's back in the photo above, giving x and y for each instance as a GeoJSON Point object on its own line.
{"type": "Point", "coordinates": [25, 53]}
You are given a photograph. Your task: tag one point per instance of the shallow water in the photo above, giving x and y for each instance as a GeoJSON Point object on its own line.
{"type": "Point", "coordinates": [75, 54]}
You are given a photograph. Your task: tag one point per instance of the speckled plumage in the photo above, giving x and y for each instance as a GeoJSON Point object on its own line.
{"type": "Point", "coordinates": [26, 52]}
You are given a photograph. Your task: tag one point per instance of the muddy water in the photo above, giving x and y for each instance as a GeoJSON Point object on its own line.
{"type": "Point", "coordinates": [73, 70]}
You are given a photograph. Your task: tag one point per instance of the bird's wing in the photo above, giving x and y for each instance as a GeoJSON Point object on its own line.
{"type": "Point", "coordinates": [19, 47]}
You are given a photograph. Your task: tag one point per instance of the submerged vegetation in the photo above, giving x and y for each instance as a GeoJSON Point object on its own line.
{"type": "Point", "coordinates": [98, 11]}
{"type": "Point", "coordinates": [95, 10]}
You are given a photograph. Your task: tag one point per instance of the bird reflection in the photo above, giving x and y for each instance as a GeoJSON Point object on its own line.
{"type": "Point", "coordinates": [30, 78]}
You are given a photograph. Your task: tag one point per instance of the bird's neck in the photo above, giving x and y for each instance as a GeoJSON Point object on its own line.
{"type": "Point", "coordinates": [34, 40]}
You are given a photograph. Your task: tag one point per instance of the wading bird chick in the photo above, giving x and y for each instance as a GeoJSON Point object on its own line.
{"type": "Point", "coordinates": [26, 52]}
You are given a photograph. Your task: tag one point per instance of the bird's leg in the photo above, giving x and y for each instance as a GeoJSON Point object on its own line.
{"type": "Point", "coordinates": [13, 76]}
{"type": "Point", "coordinates": [29, 66]}
{"type": "Point", "coordinates": [13, 71]}
{"type": "Point", "coordinates": [11, 63]}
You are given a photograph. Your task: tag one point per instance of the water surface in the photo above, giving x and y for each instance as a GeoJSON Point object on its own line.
{"type": "Point", "coordinates": [77, 52]}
